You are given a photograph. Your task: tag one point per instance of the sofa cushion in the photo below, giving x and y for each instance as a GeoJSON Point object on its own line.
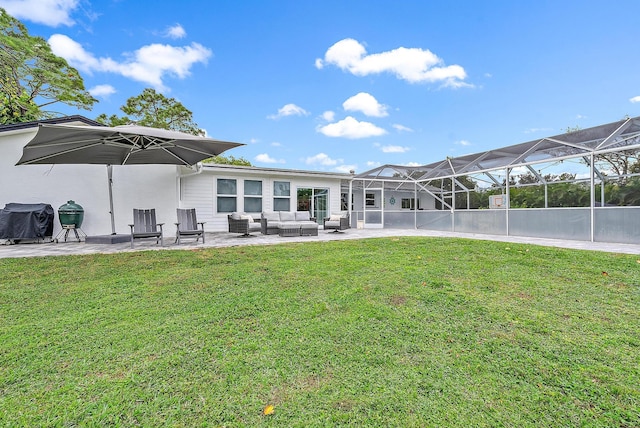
{"type": "Point", "coordinates": [302, 216]}
{"type": "Point", "coordinates": [335, 217]}
{"type": "Point", "coordinates": [236, 215]}
{"type": "Point", "coordinates": [287, 216]}
{"type": "Point", "coordinates": [271, 216]}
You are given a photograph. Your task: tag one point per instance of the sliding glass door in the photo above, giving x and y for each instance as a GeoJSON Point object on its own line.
{"type": "Point", "coordinates": [316, 201]}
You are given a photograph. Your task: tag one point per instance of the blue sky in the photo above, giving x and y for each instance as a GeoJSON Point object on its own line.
{"type": "Point", "coordinates": [351, 85]}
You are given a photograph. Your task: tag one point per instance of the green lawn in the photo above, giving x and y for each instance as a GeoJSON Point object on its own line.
{"type": "Point", "coordinates": [381, 332]}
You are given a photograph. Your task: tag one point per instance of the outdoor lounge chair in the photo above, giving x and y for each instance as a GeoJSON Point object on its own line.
{"type": "Point", "coordinates": [145, 226]}
{"type": "Point", "coordinates": [242, 223]}
{"type": "Point", "coordinates": [187, 225]}
{"type": "Point", "coordinates": [337, 222]}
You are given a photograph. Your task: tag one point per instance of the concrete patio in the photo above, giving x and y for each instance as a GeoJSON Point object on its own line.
{"type": "Point", "coordinates": [223, 239]}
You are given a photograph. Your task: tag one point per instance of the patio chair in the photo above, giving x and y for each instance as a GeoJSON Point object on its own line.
{"type": "Point", "coordinates": [242, 223]}
{"type": "Point", "coordinates": [187, 225]}
{"type": "Point", "coordinates": [145, 226]}
{"type": "Point", "coordinates": [337, 222]}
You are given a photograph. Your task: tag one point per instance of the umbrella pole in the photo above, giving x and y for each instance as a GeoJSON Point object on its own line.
{"type": "Point", "coordinates": [110, 179]}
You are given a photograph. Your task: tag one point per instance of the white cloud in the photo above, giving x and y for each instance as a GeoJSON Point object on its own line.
{"type": "Point", "coordinates": [351, 128]}
{"type": "Point", "coordinates": [401, 128]}
{"type": "Point", "coordinates": [102, 90]}
{"type": "Point", "coordinates": [276, 144]}
{"type": "Point", "coordinates": [463, 143]}
{"type": "Point", "coordinates": [413, 65]}
{"type": "Point", "coordinates": [254, 141]}
{"type": "Point", "coordinates": [149, 64]}
{"type": "Point", "coordinates": [412, 164]}
{"type": "Point", "coordinates": [321, 159]}
{"type": "Point", "coordinates": [346, 169]}
{"type": "Point", "coordinates": [289, 110]}
{"type": "Point", "coordinates": [329, 116]}
{"type": "Point", "coordinates": [367, 104]}
{"type": "Point", "coordinates": [265, 158]}
{"type": "Point", "coordinates": [635, 99]}
{"type": "Point", "coordinates": [373, 164]}
{"type": "Point", "coordinates": [48, 12]}
{"type": "Point", "coordinates": [176, 32]}
{"type": "Point", "coordinates": [394, 149]}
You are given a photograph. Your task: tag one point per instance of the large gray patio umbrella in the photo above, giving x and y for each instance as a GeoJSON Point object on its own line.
{"type": "Point", "coordinates": [120, 145]}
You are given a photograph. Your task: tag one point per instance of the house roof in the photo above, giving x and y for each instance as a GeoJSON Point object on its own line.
{"type": "Point", "coordinates": [75, 119]}
{"type": "Point", "coordinates": [611, 137]}
{"type": "Point", "coordinates": [274, 171]}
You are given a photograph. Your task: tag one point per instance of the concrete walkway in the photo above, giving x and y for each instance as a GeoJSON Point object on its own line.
{"type": "Point", "coordinates": [223, 239]}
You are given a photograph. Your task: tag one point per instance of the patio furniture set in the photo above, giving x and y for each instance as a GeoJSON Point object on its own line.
{"type": "Point", "coordinates": [284, 223]}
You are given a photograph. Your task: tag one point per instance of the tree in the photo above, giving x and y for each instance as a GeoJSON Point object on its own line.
{"type": "Point", "coordinates": [153, 109]}
{"type": "Point", "coordinates": [32, 77]}
{"type": "Point", "coordinates": [619, 163]}
{"type": "Point", "coordinates": [228, 160]}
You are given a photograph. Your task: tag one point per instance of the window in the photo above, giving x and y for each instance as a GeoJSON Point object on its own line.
{"type": "Point", "coordinates": [227, 191]}
{"type": "Point", "coordinates": [252, 196]}
{"type": "Point", "coordinates": [370, 199]}
{"type": "Point", "coordinates": [281, 196]}
{"type": "Point", "coordinates": [408, 203]}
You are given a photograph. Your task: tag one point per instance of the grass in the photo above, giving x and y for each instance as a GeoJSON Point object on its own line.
{"type": "Point", "coordinates": [381, 332]}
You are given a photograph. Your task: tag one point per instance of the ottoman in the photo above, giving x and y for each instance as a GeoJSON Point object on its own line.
{"type": "Point", "coordinates": [289, 228]}
{"type": "Point", "coordinates": [309, 229]}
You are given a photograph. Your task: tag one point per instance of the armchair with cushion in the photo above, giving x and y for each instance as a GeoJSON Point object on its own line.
{"type": "Point", "coordinates": [242, 223]}
{"type": "Point", "coordinates": [337, 222]}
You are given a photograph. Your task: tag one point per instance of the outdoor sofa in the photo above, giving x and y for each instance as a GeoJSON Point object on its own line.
{"type": "Point", "coordinates": [285, 223]}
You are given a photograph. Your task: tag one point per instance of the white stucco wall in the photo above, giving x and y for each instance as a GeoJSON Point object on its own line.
{"type": "Point", "coordinates": [135, 186]}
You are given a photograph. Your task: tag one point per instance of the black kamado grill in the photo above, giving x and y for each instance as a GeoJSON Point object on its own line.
{"type": "Point", "coordinates": [71, 216]}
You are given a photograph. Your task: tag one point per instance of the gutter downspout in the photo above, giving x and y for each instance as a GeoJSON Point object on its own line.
{"type": "Point", "coordinates": [179, 178]}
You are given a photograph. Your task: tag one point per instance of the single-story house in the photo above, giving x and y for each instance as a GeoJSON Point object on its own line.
{"type": "Point", "coordinates": [214, 190]}
{"type": "Point", "coordinates": [386, 197]}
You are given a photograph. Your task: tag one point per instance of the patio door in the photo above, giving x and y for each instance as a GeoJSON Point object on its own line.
{"type": "Point", "coordinates": [314, 200]}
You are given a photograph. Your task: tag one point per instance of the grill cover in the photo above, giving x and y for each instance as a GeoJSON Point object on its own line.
{"type": "Point", "coordinates": [26, 221]}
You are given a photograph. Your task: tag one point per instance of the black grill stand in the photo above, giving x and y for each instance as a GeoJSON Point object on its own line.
{"type": "Point", "coordinates": [66, 228]}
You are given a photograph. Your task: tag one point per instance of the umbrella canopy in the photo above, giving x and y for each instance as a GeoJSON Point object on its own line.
{"type": "Point", "coordinates": [120, 145]}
